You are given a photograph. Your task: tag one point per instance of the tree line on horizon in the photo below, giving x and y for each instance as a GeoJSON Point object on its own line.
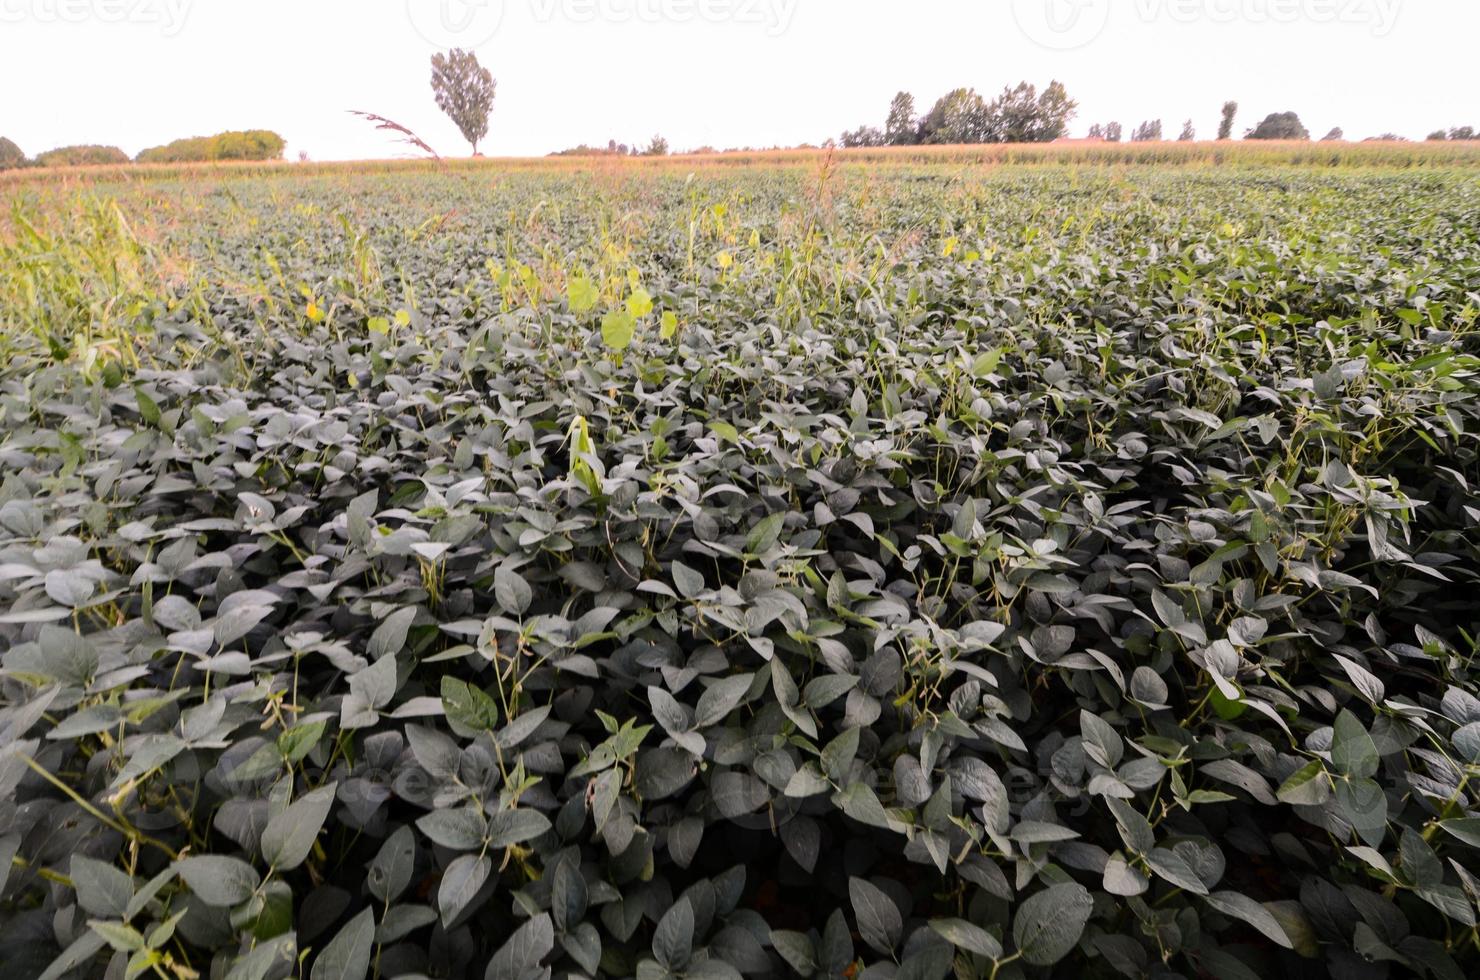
{"type": "Point", "coordinates": [251, 144]}
{"type": "Point", "coordinates": [1018, 115]}
{"type": "Point", "coordinates": [1023, 115]}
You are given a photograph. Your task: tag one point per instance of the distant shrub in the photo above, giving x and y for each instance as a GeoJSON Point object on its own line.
{"type": "Point", "coordinates": [252, 144]}
{"type": "Point", "coordinates": [10, 155]}
{"type": "Point", "coordinates": [81, 156]}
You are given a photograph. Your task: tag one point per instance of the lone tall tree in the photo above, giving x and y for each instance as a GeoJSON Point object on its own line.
{"type": "Point", "coordinates": [1225, 128]}
{"type": "Point", "coordinates": [464, 91]}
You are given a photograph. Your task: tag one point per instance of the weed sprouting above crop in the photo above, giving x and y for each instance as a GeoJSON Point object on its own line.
{"type": "Point", "coordinates": [765, 571]}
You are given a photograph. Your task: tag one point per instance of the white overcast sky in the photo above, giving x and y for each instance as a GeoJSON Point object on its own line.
{"type": "Point", "coordinates": [135, 73]}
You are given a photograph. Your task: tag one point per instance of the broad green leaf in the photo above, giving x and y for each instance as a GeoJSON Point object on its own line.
{"type": "Point", "coordinates": [526, 949]}
{"type": "Point", "coordinates": [219, 880]}
{"type": "Point", "coordinates": [461, 882]}
{"type": "Point", "coordinates": [1353, 753]}
{"type": "Point", "coordinates": [673, 940]}
{"type": "Point", "coordinates": [964, 935]}
{"type": "Point", "coordinates": [289, 837]}
{"type": "Point", "coordinates": [1048, 924]}
{"type": "Point", "coordinates": [347, 956]}
{"type": "Point", "coordinates": [879, 921]}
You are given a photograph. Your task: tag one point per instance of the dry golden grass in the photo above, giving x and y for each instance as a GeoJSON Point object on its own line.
{"type": "Point", "coordinates": [1402, 155]}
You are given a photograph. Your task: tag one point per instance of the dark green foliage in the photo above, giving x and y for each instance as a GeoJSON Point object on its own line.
{"type": "Point", "coordinates": [862, 137]}
{"type": "Point", "coordinates": [11, 156]}
{"type": "Point", "coordinates": [901, 128]}
{"type": "Point", "coordinates": [81, 156]}
{"type": "Point", "coordinates": [253, 144]}
{"type": "Point", "coordinates": [1225, 124]}
{"type": "Point", "coordinates": [1279, 126]}
{"type": "Point", "coordinates": [1018, 115]}
{"type": "Point", "coordinates": [886, 573]}
{"type": "Point", "coordinates": [1024, 115]}
{"type": "Point", "coordinates": [1147, 132]}
{"type": "Point", "coordinates": [957, 117]}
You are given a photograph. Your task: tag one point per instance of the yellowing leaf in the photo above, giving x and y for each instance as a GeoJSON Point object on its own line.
{"type": "Point", "coordinates": [640, 303]}
{"type": "Point", "coordinates": [669, 326]}
{"type": "Point", "coordinates": [582, 295]}
{"type": "Point", "coordinates": [617, 330]}
{"type": "Point", "coordinates": [724, 260]}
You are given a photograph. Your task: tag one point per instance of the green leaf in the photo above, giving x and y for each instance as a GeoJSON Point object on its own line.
{"type": "Point", "coordinates": [288, 837]}
{"type": "Point", "coordinates": [964, 935]}
{"type": "Point", "coordinates": [390, 636]}
{"type": "Point", "coordinates": [297, 742]}
{"type": "Point", "coordinates": [390, 872]}
{"type": "Point", "coordinates": [1353, 753]}
{"type": "Point", "coordinates": [720, 698]}
{"type": "Point", "coordinates": [1246, 909]}
{"type": "Point", "coordinates": [1363, 804]}
{"type": "Point", "coordinates": [796, 949]}
{"type": "Point", "coordinates": [986, 363]}
{"type": "Point", "coordinates": [469, 710]}
{"type": "Point", "coordinates": [879, 921]}
{"type": "Point", "coordinates": [219, 881]}
{"type": "Point", "coordinates": [1101, 742]}
{"type": "Point", "coordinates": [673, 940]}
{"type": "Point", "coordinates": [460, 885]}
{"type": "Point", "coordinates": [1308, 786]}
{"type": "Point", "coordinates": [765, 534]}
{"type": "Point", "coordinates": [102, 889]}
{"type": "Point", "coordinates": [690, 583]}
{"type": "Point", "coordinates": [1048, 925]}
{"type": "Point", "coordinates": [521, 956]}
{"type": "Point", "coordinates": [461, 829]}
{"type": "Point", "coordinates": [509, 827]}
{"type": "Point", "coordinates": [148, 407]}
{"type": "Point", "coordinates": [1466, 829]}
{"type": "Point", "coordinates": [1122, 879]}
{"type": "Point", "coordinates": [347, 956]}
{"type": "Point", "coordinates": [121, 937]}
{"type": "Point", "coordinates": [1170, 865]}
{"type": "Point", "coordinates": [511, 591]}
{"type": "Point", "coordinates": [69, 587]}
